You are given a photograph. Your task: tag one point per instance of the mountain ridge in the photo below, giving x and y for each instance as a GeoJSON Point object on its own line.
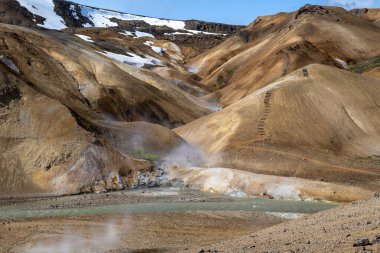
{"type": "Point", "coordinates": [272, 46]}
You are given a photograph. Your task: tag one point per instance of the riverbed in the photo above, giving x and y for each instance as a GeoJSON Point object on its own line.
{"type": "Point", "coordinates": [164, 219]}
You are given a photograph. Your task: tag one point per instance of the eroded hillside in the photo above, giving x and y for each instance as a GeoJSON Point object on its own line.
{"type": "Point", "coordinates": [68, 124]}
{"type": "Point", "coordinates": [273, 46]}
{"type": "Point", "coordinates": [319, 123]}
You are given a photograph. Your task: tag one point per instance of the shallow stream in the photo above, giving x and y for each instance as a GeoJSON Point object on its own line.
{"type": "Point", "coordinates": [282, 208]}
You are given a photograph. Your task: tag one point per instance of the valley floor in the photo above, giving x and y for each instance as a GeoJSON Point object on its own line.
{"type": "Point", "coordinates": [131, 232]}
{"type": "Point", "coordinates": [187, 230]}
{"type": "Point", "coordinates": [135, 233]}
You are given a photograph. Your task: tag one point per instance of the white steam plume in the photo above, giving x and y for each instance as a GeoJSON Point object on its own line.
{"type": "Point", "coordinates": [70, 242]}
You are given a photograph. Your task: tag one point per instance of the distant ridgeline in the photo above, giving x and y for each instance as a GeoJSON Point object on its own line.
{"type": "Point", "coordinates": [60, 14]}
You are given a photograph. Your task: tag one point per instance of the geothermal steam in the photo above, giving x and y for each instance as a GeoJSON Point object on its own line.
{"type": "Point", "coordinates": [98, 242]}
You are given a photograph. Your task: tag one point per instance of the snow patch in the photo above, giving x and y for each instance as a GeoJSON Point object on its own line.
{"type": "Point", "coordinates": [84, 37]}
{"type": "Point", "coordinates": [193, 32]}
{"type": "Point", "coordinates": [127, 33]}
{"type": "Point", "coordinates": [206, 33]}
{"type": "Point", "coordinates": [342, 63]}
{"type": "Point", "coordinates": [156, 49]}
{"type": "Point", "coordinates": [142, 34]}
{"type": "Point", "coordinates": [193, 69]}
{"type": "Point", "coordinates": [178, 33]}
{"type": "Point", "coordinates": [101, 18]}
{"type": "Point", "coordinates": [44, 8]}
{"type": "Point", "coordinates": [137, 34]}
{"type": "Point", "coordinates": [133, 60]}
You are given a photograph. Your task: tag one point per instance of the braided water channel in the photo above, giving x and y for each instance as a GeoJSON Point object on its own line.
{"type": "Point", "coordinates": [161, 204]}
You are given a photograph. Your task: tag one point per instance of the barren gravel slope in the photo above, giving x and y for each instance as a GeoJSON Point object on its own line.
{"type": "Point", "coordinates": [335, 230]}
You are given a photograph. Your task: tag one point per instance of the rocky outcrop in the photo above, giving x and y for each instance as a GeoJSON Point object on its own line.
{"type": "Point", "coordinates": [11, 12]}
{"type": "Point", "coordinates": [372, 15]}
{"type": "Point", "coordinates": [140, 25]}
{"type": "Point", "coordinates": [212, 27]}
{"type": "Point", "coordinates": [8, 89]}
{"type": "Point", "coordinates": [71, 13]}
{"type": "Point", "coordinates": [359, 11]}
{"type": "Point", "coordinates": [313, 9]}
{"type": "Point", "coordinates": [196, 25]}
{"type": "Point", "coordinates": [200, 42]}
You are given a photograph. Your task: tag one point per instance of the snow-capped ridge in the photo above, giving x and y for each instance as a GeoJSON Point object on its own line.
{"type": "Point", "coordinates": [61, 14]}
{"type": "Point", "coordinates": [102, 18]}
{"type": "Point", "coordinates": [99, 17]}
{"type": "Point", "coordinates": [45, 9]}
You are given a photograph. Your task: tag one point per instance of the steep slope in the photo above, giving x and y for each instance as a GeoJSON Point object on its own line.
{"type": "Point", "coordinates": [60, 14]}
{"type": "Point", "coordinates": [67, 124]}
{"type": "Point", "coordinates": [143, 50]}
{"type": "Point", "coordinates": [133, 39]}
{"type": "Point", "coordinates": [84, 72]}
{"type": "Point", "coordinates": [317, 123]}
{"type": "Point", "coordinates": [273, 46]}
{"type": "Point", "coordinates": [71, 14]}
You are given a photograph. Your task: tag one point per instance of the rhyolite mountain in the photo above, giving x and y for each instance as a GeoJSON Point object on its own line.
{"type": "Point", "coordinates": [94, 100]}
{"type": "Point", "coordinates": [274, 46]}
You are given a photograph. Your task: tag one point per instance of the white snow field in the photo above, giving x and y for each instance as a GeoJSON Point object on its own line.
{"type": "Point", "coordinates": [133, 60]}
{"type": "Point", "coordinates": [84, 37]}
{"type": "Point", "coordinates": [179, 33]}
{"type": "Point", "coordinates": [192, 32]}
{"type": "Point", "coordinates": [44, 8]}
{"type": "Point", "coordinates": [101, 18]}
{"type": "Point", "coordinates": [127, 33]}
{"type": "Point", "coordinates": [143, 34]}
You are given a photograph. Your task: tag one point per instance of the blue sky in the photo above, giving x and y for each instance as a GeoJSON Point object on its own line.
{"type": "Point", "coordinates": [226, 11]}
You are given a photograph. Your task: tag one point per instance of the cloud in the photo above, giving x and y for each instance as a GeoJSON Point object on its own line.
{"type": "Point", "coordinates": [352, 4]}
